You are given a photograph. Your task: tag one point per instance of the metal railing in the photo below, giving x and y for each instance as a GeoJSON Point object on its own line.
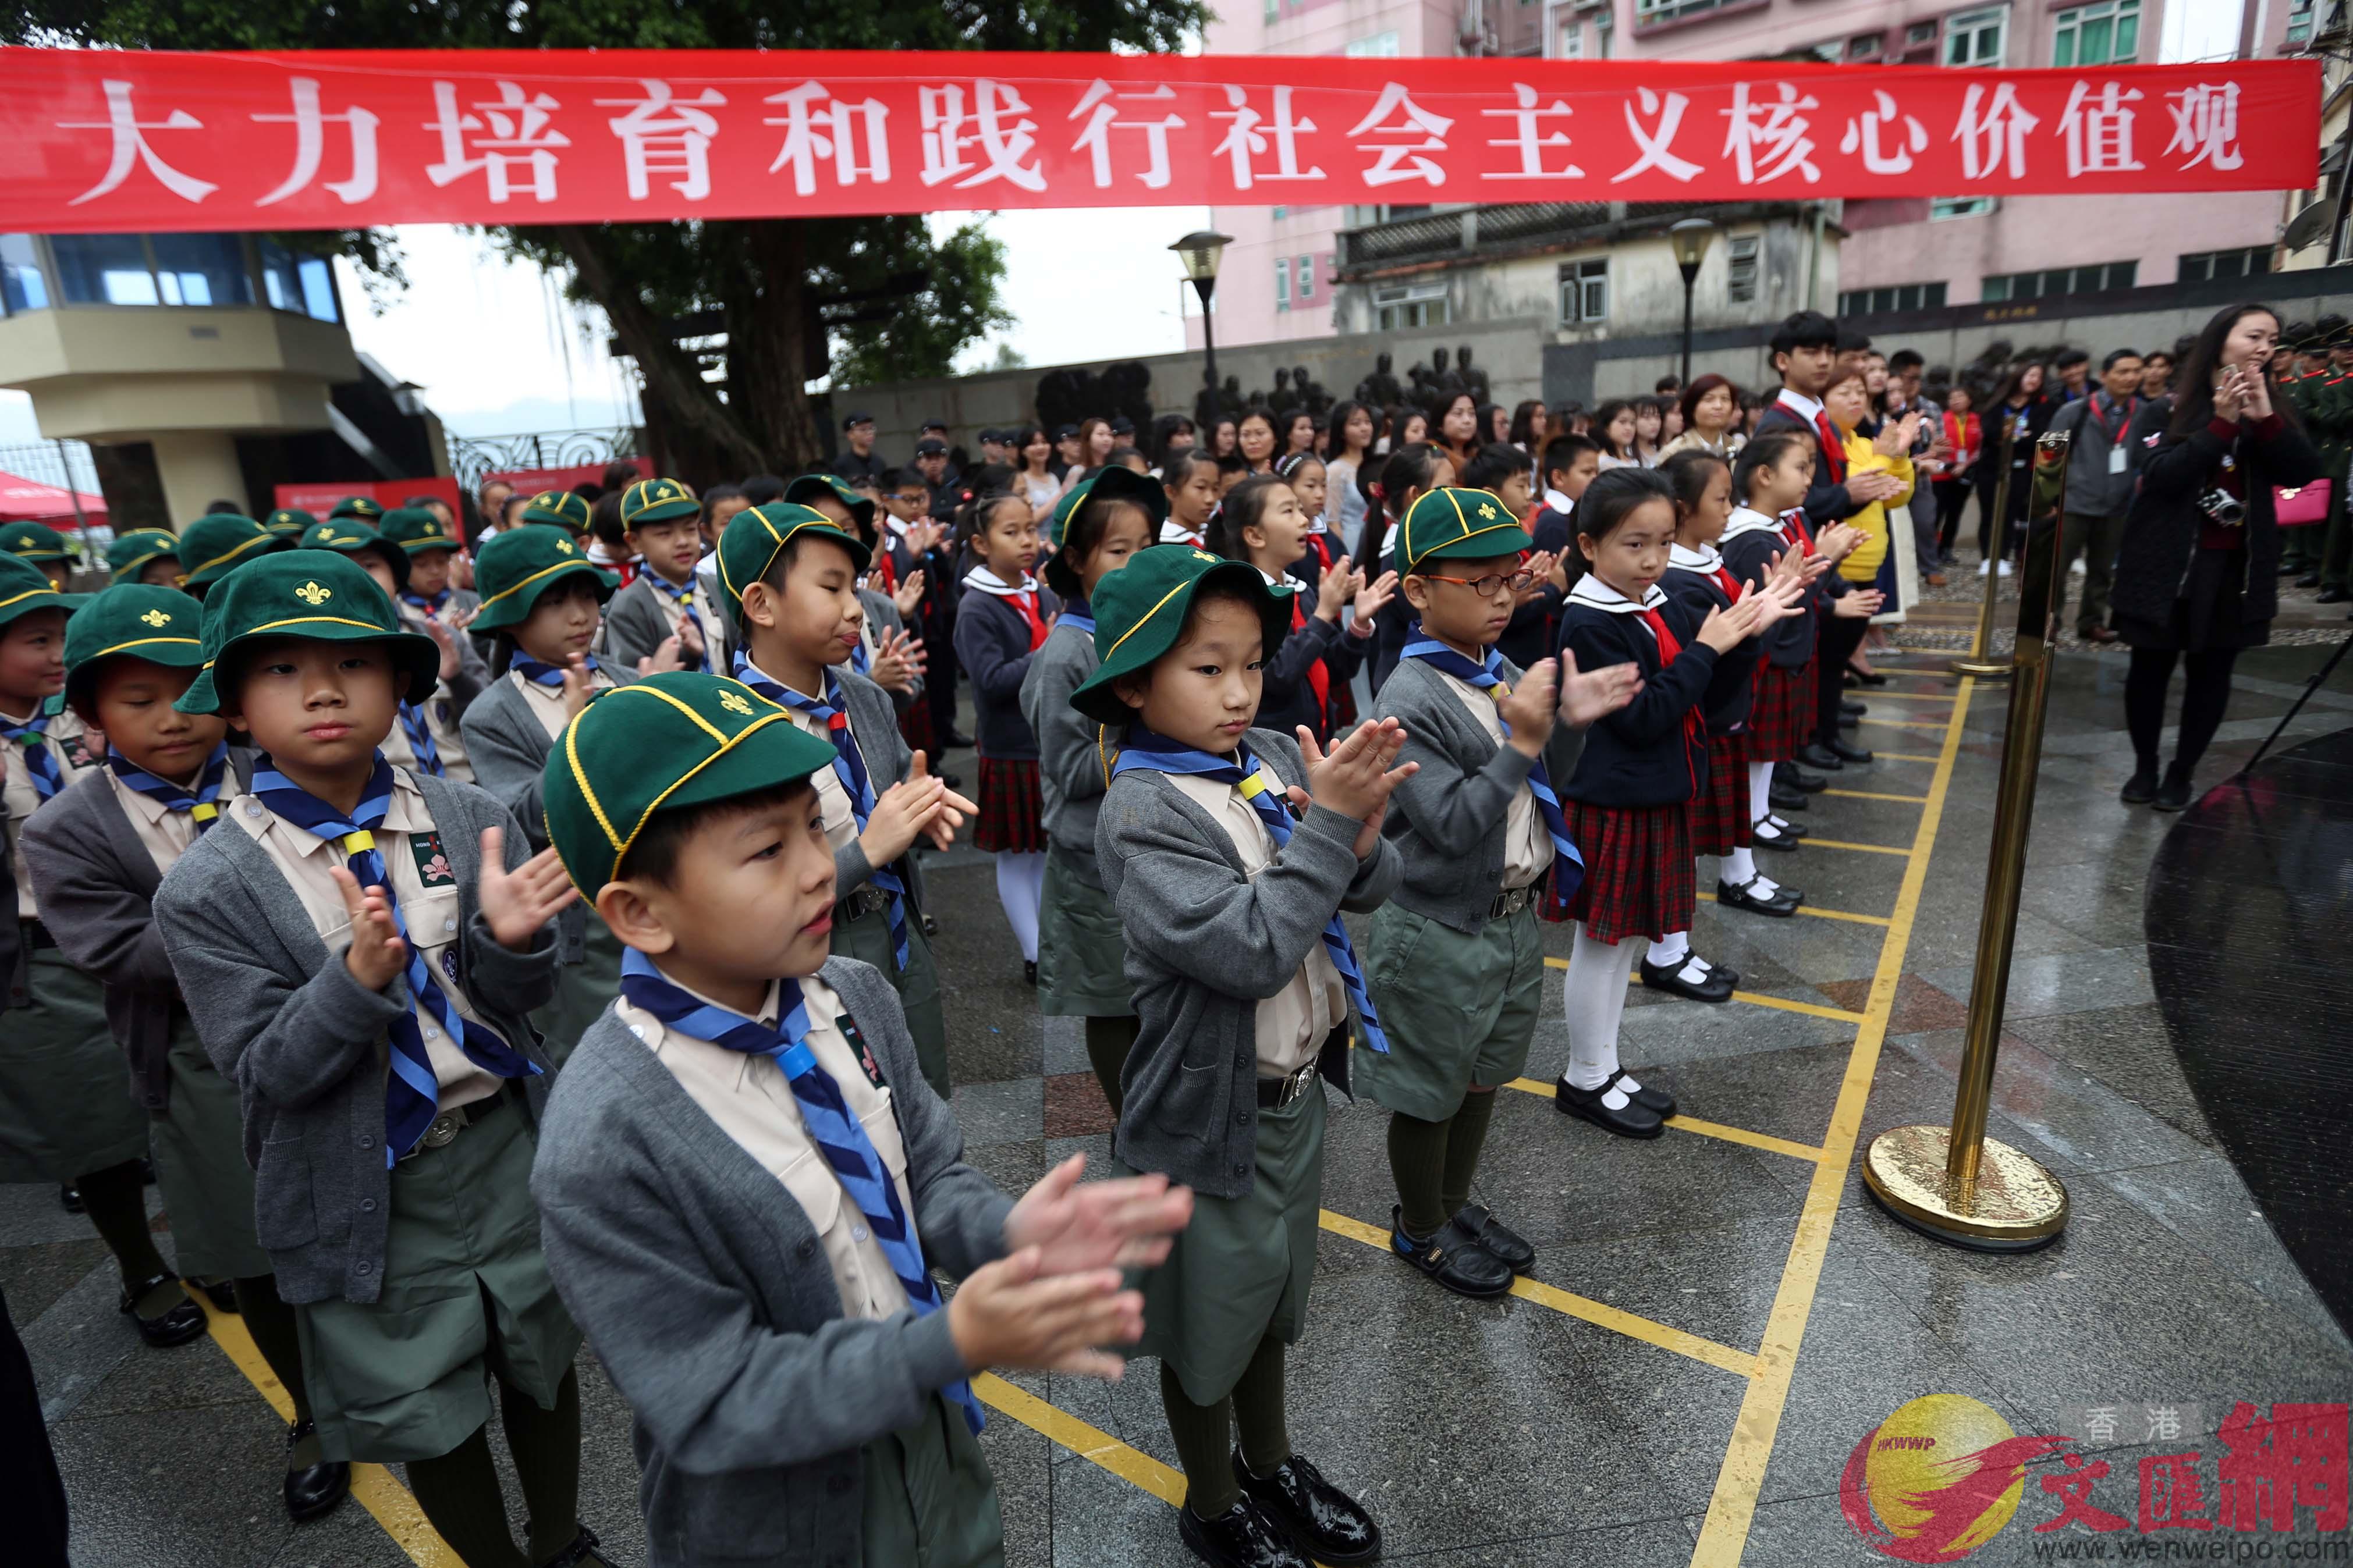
{"type": "Point", "coordinates": [1430, 237]}
{"type": "Point", "coordinates": [472, 456]}
{"type": "Point", "coordinates": [64, 464]}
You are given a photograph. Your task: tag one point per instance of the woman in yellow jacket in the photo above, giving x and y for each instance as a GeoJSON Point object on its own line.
{"type": "Point", "coordinates": [1848, 402]}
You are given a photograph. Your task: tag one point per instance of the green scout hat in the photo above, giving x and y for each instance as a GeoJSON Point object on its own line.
{"type": "Point", "coordinates": [657, 500]}
{"type": "Point", "coordinates": [24, 587]}
{"type": "Point", "coordinates": [144, 620]}
{"type": "Point", "coordinates": [349, 536]}
{"type": "Point", "coordinates": [1140, 610]}
{"type": "Point", "coordinates": [561, 508]}
{"type": "Point", "coordinates": [215, 545]}
{"type": "Point", "coordinates": [1464, 525]}
{"type": "Point", "coordinates": [670, 740]}
{"type": "Point", "coordinates": [34, 542]}
{"type": "Point", "coordinates": [132, 550]}
{"type": "Point", "coordinates": [519, 565]}
{"type": "Point", "coordinates": [361, 507]}
{"type": "Point", "coordinates": [416, 531]}
{"type": "Point", "coordinates": [290, 522]}
{"type": "Point", "coordinates": [861, 507]}
{"type": "Point", "coordinates": [314, 594]}
{"type": "Point", "coordinates": [754, 537]}
{"type": "Point", "coordinates": [1117, 482]}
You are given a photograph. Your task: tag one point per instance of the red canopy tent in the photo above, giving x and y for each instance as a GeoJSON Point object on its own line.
{"type": "Point", "coordinates": [29, 500]}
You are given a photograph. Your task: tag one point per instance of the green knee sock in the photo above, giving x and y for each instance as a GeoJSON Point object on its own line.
{"type": "Point", "coordinates": [1108, 1042]}
{"type": "Point", "coordinates": [546, 1448]}
{"type": "Point", "coordinates": [1416, 1159]}
{"type": "Point", "coordinates": [1204, 1446]}
{"type": "Point", "coordinates": [1466, 1135]}
{"type": "Point", "coordinates": [116, 1206]}
{"type": "Point", "coordinates": [1258, 1403]}
{"type": "Point", "coordinates": [459, 1492]}
{"type": "Point", "coordinates": [270, 1322]}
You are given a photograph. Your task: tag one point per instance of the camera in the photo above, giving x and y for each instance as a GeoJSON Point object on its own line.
{"type": "Point", "coordinates": [2222, 509]}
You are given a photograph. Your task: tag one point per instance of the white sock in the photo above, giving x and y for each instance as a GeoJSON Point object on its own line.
{"type": "Point", "coordinates": [1738, 867]}
{"type": "Point", "coordinates": [1670, 950]}
{"type": "Point", "coordinates": [1593, 1001]}
{"type": "Point", "coordinates": [1760, 791]}
{"type": "Point", "coordinates": [1020, 883]}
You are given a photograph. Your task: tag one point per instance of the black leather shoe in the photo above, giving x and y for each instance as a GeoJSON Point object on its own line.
{"type": "Point", "coordinates": [1784, 827]}
{"type": "Point", "coordinates": [1498, 1240]}
{"type": "Point", "coordinates": [1648, 1098]}
{"type": "Point", "coordinates": [1628, 1121]}
{"type": "Point", "coordinates": [1453, 1256]}
{"type": "Point", "coordinates": [931, 926]}
{"type": "Point", "coordinates": [1030, 973]}
{"type": "Point", "coordinates": [1241, 1537]}
{"type": "Point", "coordinates": [1781, 799]}
{"type": "Point", "coordinates": [2173, 794]}
{"type": "Point", "coordinates": [1815, 755]}
{"type": "Point", "coordinates": [1767, 836]}
{"type": "Point", "coordinates": [2139, 789]}
{"type": "Point", "coordinates": [1670, 977]}
{"type": "Point", "coordinates": [175, 1325]}
{"type": "Point", "coordinates": [1849, 753]}
{"type": "Point", "coordinates": [2333, 595]}
{"type": "Point", "coordinates": [1328, 1524]}
{"type": "Point", "coordinates": [69, 1198]}
{"type": "Point", "coordinates": [1855, 677]}
{"type": "Point", "coordinates": [1782, 903]}
{"type": "Point", "coordinates": [313, 1491]}
{"type": "Point", "coordinates": [585, 1552]}
{"type": "Point", "coordinates": [221, 1293]}
{"type": "Point", "coordinates": [1853, 710]}
{"type": "Point", "coordinates": [2310, 580]}
{"type": "Point", "coordinates": [1796, 777]}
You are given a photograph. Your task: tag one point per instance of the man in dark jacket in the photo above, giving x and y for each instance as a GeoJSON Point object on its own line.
{"type": "Point", "coordinates": [2099, 488]}
{"type": "Point", "coordinates": [857, 460]}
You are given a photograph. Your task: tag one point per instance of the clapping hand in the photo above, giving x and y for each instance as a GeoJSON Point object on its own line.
{"type": "Point", "coordinates": [516, 904]}
{"type": "Point", "coordinates": [378, 951]}
{"type": "Point", "coordinates": [1589, 699]}
{"type": "Point", "coordinates": [898, 659]}
{"type": "Point", "coordinates": [1355, 778]}
{"type": "Point", "coordinates": [1530, 708]}
{"type": "Point", "coordinates": [1124, 1223]}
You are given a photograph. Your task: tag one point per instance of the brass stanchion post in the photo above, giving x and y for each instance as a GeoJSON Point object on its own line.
{"type": "Point", "coordinates": [1954, 1183]}
{"type": "Point", "coordinates": [1979, 662]}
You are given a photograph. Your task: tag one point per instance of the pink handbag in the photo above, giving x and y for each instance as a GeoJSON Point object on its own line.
{"type": "Point", "coordinates": [2301, 506]}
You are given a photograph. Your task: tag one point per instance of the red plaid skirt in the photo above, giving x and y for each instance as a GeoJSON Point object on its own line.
{"type": "Point", "coordinates": [1719, 817]}
{"type": "Point", "coordinates": [916, 725]}
{"type": "Point", "coordinates": [1638, 869]}
{"type": "Point", "coordinates": [1011, 808]}
{"type": "Point", "coordinates": [1781, 719]}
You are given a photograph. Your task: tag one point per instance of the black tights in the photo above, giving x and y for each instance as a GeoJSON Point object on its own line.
{"type": "Point", "coordinates": [460, 1490]}
{"type": "Point", "coordinates": [1839, 638]}
{"type": "Point", "coordinates": [2205, 694]}
{"type": "Point", "coordinates": [1205, 1433]}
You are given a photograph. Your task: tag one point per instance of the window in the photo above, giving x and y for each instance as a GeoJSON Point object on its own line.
{"type": "Point", "coordinates": [1920, 33]}
{"type": "Point", "coordinates": [1405, 305]}
{"type": "Point", "coordinates": [23, 285]}
{"type": "Point", "coordinates": [2105, 33]}
{"type": "Point", "coordinates": [1647, 12]}
{"type": "Point", "coordinates": [1740, 273]}
{"type": "Point", "coordinates": [303, 284]}
{"type": "Point", "coordinates": [1976, 38]}
{"type": "Point", "coordinates": [1572, 41]}
{"type": "Point", "coordinates": [1379, 47]}
{"type": "Point", "coordinates": [1583, 291]}
{"type": "Point", "coordinates": [1959, 206]}
{"type": "Point", "coordinates": [1865, 48]}
{"type": "Point", "coordinates": [2299, 23]}
{"type": "Point", "coordinates": [1901, 297]}
{"type": "Point", "coordinates": [1272, 10]}
{"type": "Point", "coordinates": [1283, 282]}
{"type": "Point", "coordinates": [201, 269]}
{"type": "Point", "coordinates": [2212, 266]}
{"type": "Point", "coordinates": [1305, 289]}
{"type": "Point", "coordinates": [2061, 281]}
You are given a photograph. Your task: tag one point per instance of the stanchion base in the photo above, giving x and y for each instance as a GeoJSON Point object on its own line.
{"type": "Point", "coordinates": [2017, 1205]}
{"type": "Point", "coordinates": [1983, 671]}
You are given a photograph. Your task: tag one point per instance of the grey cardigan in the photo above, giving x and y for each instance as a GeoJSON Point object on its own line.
{"type": "Point", "coordinates": [284, 1020]}
{"type": "Point", "coordinates": [885, 753]}
{"type": "Point", "coordinates": [700, 1283]}
{"type": "Point", "coordinates": [1204, 945]}
{"type": "Point", "coordinates": [1069, 764]}
{"type": "Point", "coordinates": [634, 625]}
{"type": "Point", "coordinates": [1447, 821]}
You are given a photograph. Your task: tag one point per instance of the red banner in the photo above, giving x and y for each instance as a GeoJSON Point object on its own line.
{"type": "Point", "coordinates": [530, 481]}
{"type": "Point", "coordinates": [319, 499]}
{"type": "Point", "coordinates": [101, 140]}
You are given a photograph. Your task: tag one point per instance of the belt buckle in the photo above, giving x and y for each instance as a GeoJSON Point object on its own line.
{"type": "Point", "coordinates": [445, 1128]}
{"type": "Point", "coordinates": [1295, 1086]}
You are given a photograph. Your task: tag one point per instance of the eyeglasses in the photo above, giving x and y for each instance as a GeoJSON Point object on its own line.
{"type": "Point", "coordinates": [1488, 586]}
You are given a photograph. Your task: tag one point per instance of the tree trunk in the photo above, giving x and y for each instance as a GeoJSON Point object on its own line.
{"type": "Point", "coordinates": [768, 351]}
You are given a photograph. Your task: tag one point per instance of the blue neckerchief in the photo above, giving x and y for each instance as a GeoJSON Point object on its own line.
{"type": "Point", "coordinates": [1079, 617]}
{"type": "Point", "coordinates": [420, 731]}
{"type": "Point", "coordinates": [431, 606]}
{"type": "Point", "coordinates": [838, 1135]}
{"type": "Point", "coordinates": [412, 1093]}
{"type": "Point", "coordinates": [848, 766]}
{"type": "Point", "coordinates": [540, 673]}
{"type": "Point", "coordinates": [1567, 864]}
{"type": "Point", "coordinates": [48, 777]}
{"type": "Point", "coordinates": [1266, 797]}
{"type": "Point", "coordinates": [200, 805]}
{"type": "Point", "coordinates": [684, 599]}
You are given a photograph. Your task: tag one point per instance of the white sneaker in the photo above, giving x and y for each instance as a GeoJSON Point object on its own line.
{"type": "Point", "coordinates": [2005, 568]}
{"type": "Point", "coordinates": [2079, 568]}
{"type": "Point", "coordinates": [1986, 566]}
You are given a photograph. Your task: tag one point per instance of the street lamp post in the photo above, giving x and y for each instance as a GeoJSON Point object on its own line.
{"type": "Point", "coordinates": [1200, 251]}
{"type": "Point", "coordinates": [1690, 240]}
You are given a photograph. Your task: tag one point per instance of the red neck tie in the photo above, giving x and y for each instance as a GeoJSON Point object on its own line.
{"type": "Point", "coordinates": [1695, 726]}
{"type": "Point", "coordinates": [1732, 586]}
{"type": "Point", "coordinates": [1028, 604]}
{"type": "Point", "coordinates": [1796, 518]}
{"type": "Point", "coordinates": [1319, 679]}
{"type": "Point", "coordinates": [1834, 448]}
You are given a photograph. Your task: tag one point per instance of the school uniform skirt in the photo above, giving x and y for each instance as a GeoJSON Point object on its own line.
{"type": "Point", "coordinates": [65, 1109]}
{"type": "Point", "coordinates": [466, 1296]}
{"type": "Point", "coordinates": [1012, 811]}
{"type": "Point", "coordinates": [1081, 956]}
{"type": "Point", "coordinates": [582, 990]}
{"type": "Point", "coordinates": [1781, 717]}
{"type": "Point", "coordinates": [1638, 869]}
{"type": "Point", "coordinates": [915, 726]}
{"type": "Point", "coordinates": [200, 1169]}
{"type": "Point", "coordinates": [865, 935]}
{"type": "Point", "coordinates": [1719, 816]}
{"type": "Point", "coordinates": [1458, 1009]}
{"type": "Point", "coordinates": [1241, 1269]}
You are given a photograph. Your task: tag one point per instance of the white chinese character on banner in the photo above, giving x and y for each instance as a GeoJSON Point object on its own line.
{"type": "Point", "coordinates": [2099, 129]}
{"type": "Point", "coordinates": [2100, 1424]}
{"type": "Point", "coordinates": [129, 135]}
{"type": "Point", "coordinates": [310, 143]}
{"type": "Point", "coordinates": [1103, 120]}
{"type": "Point", "coordinates": [1863, 131]}
{"type": "Point", "coordinates": [995, 122]}
{"type": "Point", "coordinates": [1530, 140]}
{"type": "Point", "coordinates": [1244, 140]}
{"type": "Point", "coordinates": [1993, 131]}
{"type": "Point", "coordinates": [519, 138]}
{"type": "Point", "coordinates": [1767, 139]}
{"type": "Point", "coordinates": [1428, 131]}
{"type": "Point", "coordinates": [1658, 142]}
{"type": "Point", "coordinates": [820, 125]}
{"type": "Point", "coordinates": [662, 135]}
{"type": "Point", "coordinates": [2206, 125]}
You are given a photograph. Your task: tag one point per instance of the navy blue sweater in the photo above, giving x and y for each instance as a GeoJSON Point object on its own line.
{"type": "Point", "coordinates": [1733, 690]}
{"type": "Point", "coordinates": [1642, 755]}
{"type": "Point", "coordinates": [1288, 698]}
{"type": "Point", "coordinates": [1750, 554]}
{"type": "Point", "coordinates": [1825, 503]}
{"type": "Point", "coordinates": [992, 643]}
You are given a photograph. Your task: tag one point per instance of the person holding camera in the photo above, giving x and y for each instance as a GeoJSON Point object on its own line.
{"type": "Point", "coordinates": [2196, 575]}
